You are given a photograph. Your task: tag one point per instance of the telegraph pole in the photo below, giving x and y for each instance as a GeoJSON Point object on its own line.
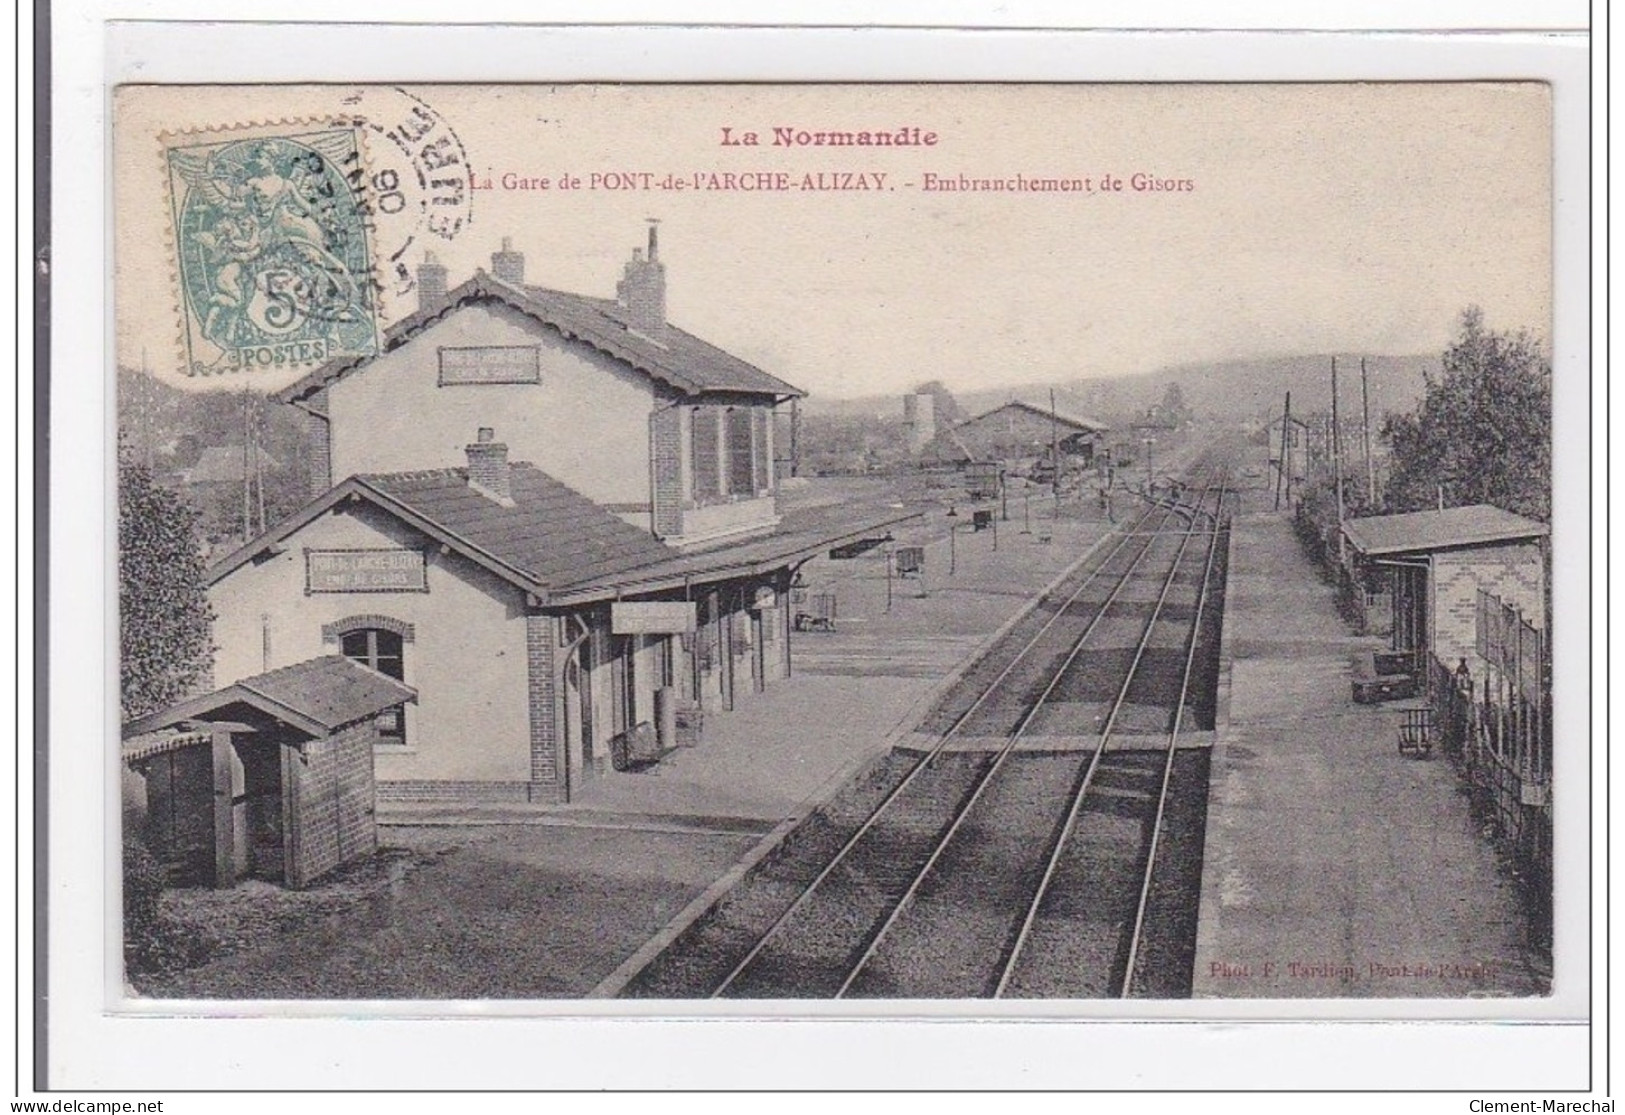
{"type": "Point", "coordinates": [1337, 462]}
{"type": "Point", "coordinates": [1287, 433]}
{"type": "Point", "coordinates": [1281, 460]}
{"type": "Point", "coordinates": [1054, 445]}
{"type": "Point", "coordinates": [795, 437]}
{"type": "Point", "coordinates": [248, 449]}
{"type": "Point", "coordinates": [1365, 430]}
{"type": "Point", "coordinates": [259, 473]}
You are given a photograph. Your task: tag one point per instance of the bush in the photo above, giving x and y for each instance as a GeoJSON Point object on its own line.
{"type": "Point", "coordinates": [144, 881]}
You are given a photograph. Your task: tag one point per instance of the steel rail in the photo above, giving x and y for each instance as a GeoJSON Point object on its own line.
{"type": "Point", "coordinates": [1006, 749]}
{"type": "Point", "coordinates": [922, 764]}
{"type": "Point", "coordinates": [1008, 968]}
{"type": "Point", "coordinates": [1168, 763]}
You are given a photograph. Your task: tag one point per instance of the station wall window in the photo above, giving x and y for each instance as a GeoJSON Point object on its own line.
{"type": "Point", "coordinates": [707, 472]}
{"type": "Point", "coordinates": [729, 452]}
{"type": "Point", "coordinates": [741, 463]}
{"type": "Point", "coordinates": [384, 651]}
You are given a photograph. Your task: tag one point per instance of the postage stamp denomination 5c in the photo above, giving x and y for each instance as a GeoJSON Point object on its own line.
{"type": "Point", "coordinates": [274, 261]}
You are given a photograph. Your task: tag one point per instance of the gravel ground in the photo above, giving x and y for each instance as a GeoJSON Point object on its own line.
{"type": "Point", "coordinates": [1168, 941]}
{"type": "Point", "coordinates": [813, 951]}
{"type": "Point", "coordinates": [949, 942]}
{"type": "Point", "coordinates": [488, 913]}
{"type": "Point", "coordinates": [703, 955]}
{"type": "Point", "coordinates": [1038, 665]}
{"type": "Point", "coordinates": [1079, 940]}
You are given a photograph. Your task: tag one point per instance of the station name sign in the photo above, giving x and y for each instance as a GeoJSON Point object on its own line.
{"type": "Point", "coordinates": [653, 617]}
{"type": "Point", "coordinates": [365, 571]}
{"type": "Point", "coordinates": [850, 550]}
{"type": "Point", "coordinates": [491, 364]}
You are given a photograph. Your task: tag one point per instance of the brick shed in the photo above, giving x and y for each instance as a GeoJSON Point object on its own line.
{"type": "Point", "coordinates": [269, 778]}
{"type": "Point", "coordinates": [1439, 560]}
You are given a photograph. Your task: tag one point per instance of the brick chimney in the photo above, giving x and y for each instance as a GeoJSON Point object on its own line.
{"type": "Point", "coordinates": [488, 471]}
{"type": "Point", "coordinates": [431, 283]}
{"type": "Point", "coordinates": [642, 289]}
{"type": "Point", "coordinates": [508, 265]}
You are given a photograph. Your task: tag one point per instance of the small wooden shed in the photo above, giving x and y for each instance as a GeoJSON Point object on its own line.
{"type": "Point", "coordinates": [269, 778]}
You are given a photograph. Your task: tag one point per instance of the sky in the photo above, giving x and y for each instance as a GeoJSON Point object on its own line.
{"type": "Point", "coordinates": [1304, 219]}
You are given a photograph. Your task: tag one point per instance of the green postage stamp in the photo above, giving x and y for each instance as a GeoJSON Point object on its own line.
{"type": "Point", "coordinates": [271, 240]}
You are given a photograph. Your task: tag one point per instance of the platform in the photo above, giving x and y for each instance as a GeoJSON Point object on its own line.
{"type": "Point", "coordinates": [1335, 867]}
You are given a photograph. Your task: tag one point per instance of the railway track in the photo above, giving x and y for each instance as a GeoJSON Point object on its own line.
{"type": "Point", "coordinates": [982, 868]}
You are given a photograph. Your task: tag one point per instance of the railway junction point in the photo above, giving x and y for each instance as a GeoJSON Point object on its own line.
{"type": "Point", "coordinates": [1334, 866]}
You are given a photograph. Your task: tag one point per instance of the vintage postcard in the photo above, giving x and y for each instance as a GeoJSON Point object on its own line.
{"type": "Point", "coordinates": [896, 542]}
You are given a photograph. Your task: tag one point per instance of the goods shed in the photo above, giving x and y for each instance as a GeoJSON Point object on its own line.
{"type": "Point", "coordinates": [268, 778]}
{"type": "Point", "coordinates": [1026, 429]}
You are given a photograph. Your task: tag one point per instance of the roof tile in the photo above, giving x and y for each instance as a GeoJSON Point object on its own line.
{"type": "Point", "coordinates": [1420, 531]}
{"type": "Point", "coordinates": [683, 361]}
{"type": "Point", "coordinates": [332, 690]}
{"type": "Point", "coordinates": [552, 533]}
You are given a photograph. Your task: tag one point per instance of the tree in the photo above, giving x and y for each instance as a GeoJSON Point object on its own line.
{"type": "Point", "coordinates": [1172, 411]}
{"type": "Point", "coordinates": [1483, 430]}
{"type": "Point", "coordinates": [165, 620]}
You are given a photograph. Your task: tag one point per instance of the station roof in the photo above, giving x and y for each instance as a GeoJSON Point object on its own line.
{"type": "Point", "coordinates": [548, 537]}
{"type": "Point", "coordinates": [557, 544]}
{"type": "Point", "coordinates": [682, 361]}
{"type": "Point", "coordinates": [553, 533]}
{"type": "Point", "coordinates": [317, 696]}
{"type": "Point", "coordinates": [799, 535]}
{"type": "Point", "coordinates": [1478, 524]}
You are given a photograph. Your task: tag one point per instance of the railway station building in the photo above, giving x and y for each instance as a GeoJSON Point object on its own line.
{"type": "Point", "coordinates": [554, 517]}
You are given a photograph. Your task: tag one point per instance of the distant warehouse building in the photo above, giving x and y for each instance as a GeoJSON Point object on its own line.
{"type": "Point", "coordinates": [1023, 429]}
{"type": "Point", "coordinates": [554, 517]}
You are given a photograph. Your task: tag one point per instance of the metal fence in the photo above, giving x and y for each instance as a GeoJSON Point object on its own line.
{"type": "Point", "coordinates": [1512, 646]}
{"type": "Point", "coordinates": [1496, 725]}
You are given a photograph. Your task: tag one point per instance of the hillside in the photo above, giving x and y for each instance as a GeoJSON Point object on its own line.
{"type": "Point", "coordinates": [1235, 390]}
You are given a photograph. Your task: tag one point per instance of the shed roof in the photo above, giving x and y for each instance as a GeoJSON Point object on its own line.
{"type": "Point", "coordinates": [683, 361]}
{"type": "Point", "coordinates": [1063, 414]}
{"type": "Point", "coordinates": [1451, 528]}
{"type": "Point", "coordinates": [316, 696]}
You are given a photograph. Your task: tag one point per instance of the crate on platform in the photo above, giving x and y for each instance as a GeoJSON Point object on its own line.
{"type": "Point", "coordinates": [910, 561]}
{"type": "Point", "coordinates": [688, 723]}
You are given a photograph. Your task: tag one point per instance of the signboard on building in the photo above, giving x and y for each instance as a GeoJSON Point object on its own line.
{"type": "Point", "coordinates": [653, 617]}
{"type": "Point", "coordinates": [850, 550]}
{"type": "Point", "coordinates": [365, 571]}
{"type": "Point", "coordinates": [490, 364]}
